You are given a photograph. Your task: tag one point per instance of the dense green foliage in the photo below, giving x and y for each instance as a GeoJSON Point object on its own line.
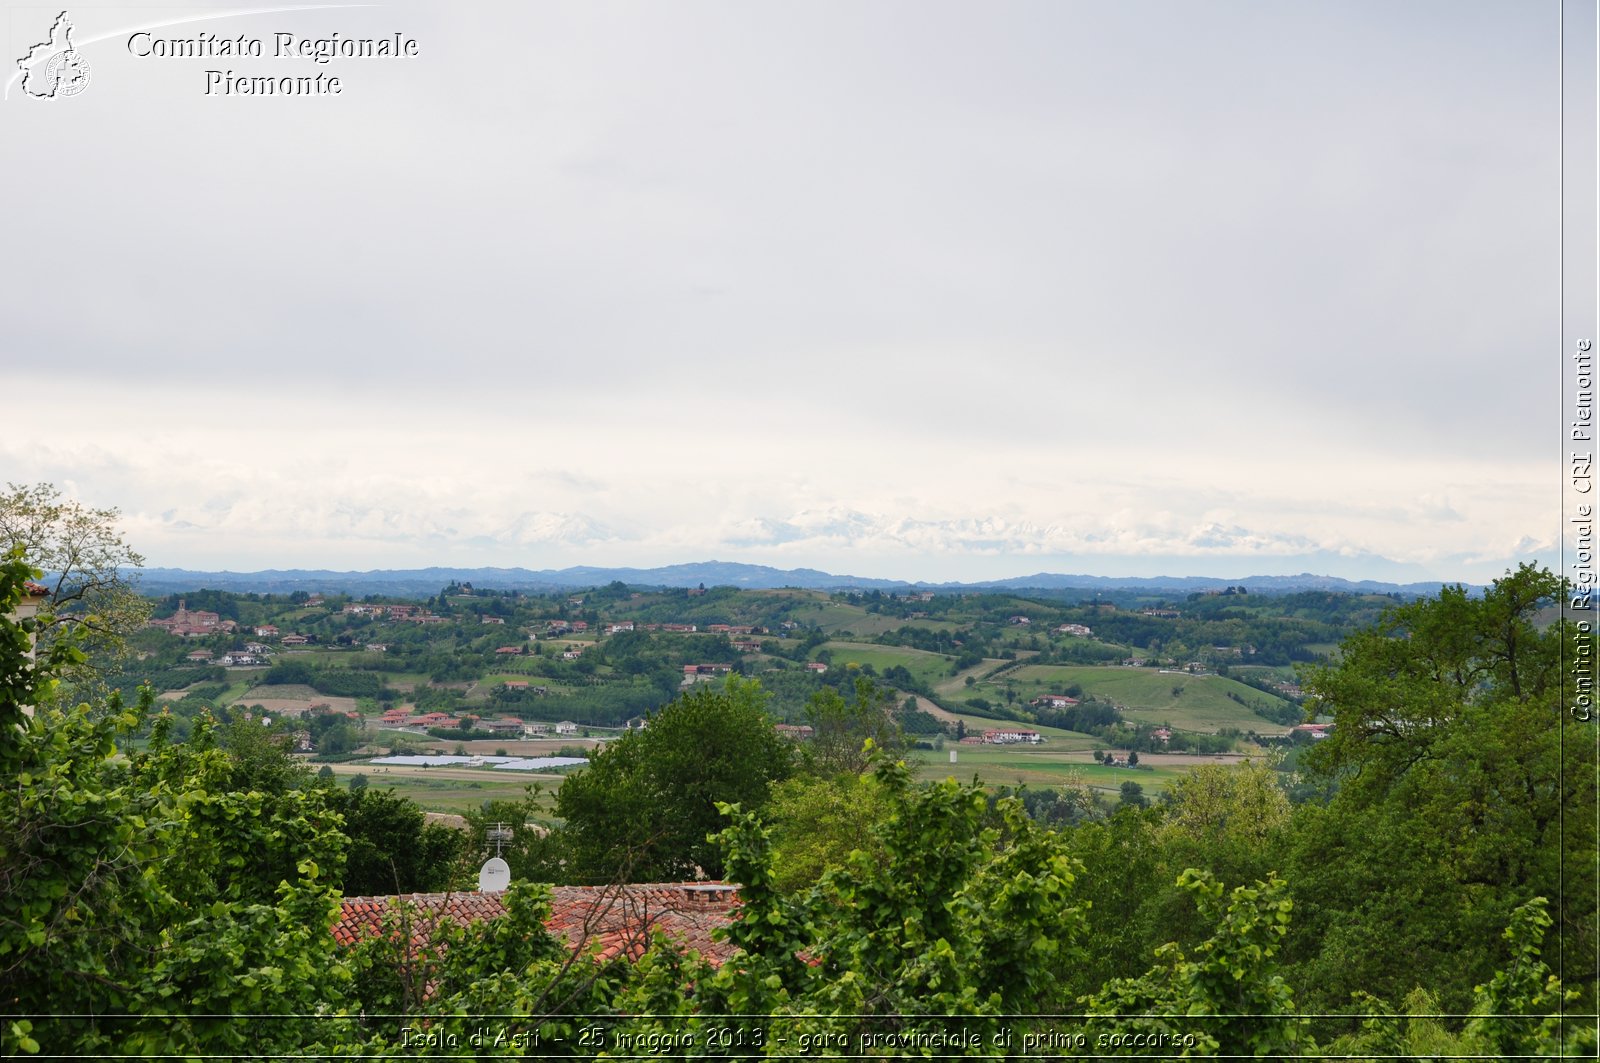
{"type": "Point", "coordinates": [336, 681]}
{"type": "Point", "coordinates": [392, 849]}
{"type": "Point", "coordinates": [643, 808]}
{"type": "Point", "coordinates": [1451, 765]}
{"type": "Point", "coordinates": [154, 886]}
{"type": "Point", "coordinates": [89, 576]}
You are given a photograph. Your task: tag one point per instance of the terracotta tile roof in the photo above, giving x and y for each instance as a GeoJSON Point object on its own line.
{"type": "Point", "coordinates": [609, 920]}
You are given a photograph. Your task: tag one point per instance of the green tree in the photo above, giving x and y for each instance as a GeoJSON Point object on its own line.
{"type": "Point", "coordinates": [956, 910]}
{"type": "Point", "coordinates": [817, 823]}
{"type": "Point", "coordinates": [87, 569]}
{"type": "Point", "coordinates": [141, 888]}
{"type": "Point", "coordinates": [393, 849]}
{"type": "Point", "coordinates": [1228, 996]}
{"type": "Point", "coordinates": [644, 807]}
{"type": "Point", "coordinates": [842, 728]}
{"type": "Point", "coordinates": [1451, 767]}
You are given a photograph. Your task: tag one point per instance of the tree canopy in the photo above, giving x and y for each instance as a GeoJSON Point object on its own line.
{"type": "Point", "coordinates": [85, 565]}
{"type": "Point", "coordinates": [645, 806]}
{"type": "Point", "coordinates": [1451, 766]}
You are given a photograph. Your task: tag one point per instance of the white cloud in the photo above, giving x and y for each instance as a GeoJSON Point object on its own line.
{"type": "Point", "coordinates": [922, 285]}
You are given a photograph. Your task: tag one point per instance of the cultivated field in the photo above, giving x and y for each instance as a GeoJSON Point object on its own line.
{"type": "Point", "coordinates": [833, 617]}
{"type": "Point", "coordinates": [292, 700]}
{"type": "Point", "coordinates": [926, 666]}
{"type": "Point", "coordinates": [452, 790]}
{"type": "Point", "coordinates": [1186, 702]}
{"type": "Point", "coordinates": [1042, 765]}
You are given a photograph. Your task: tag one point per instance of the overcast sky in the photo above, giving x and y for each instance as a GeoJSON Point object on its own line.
{"type": "Point", "coordinates": [929, 290]}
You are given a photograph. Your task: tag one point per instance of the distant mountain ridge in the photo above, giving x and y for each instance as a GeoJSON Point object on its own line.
{"type": "Point", "coordinates": [714, 574]}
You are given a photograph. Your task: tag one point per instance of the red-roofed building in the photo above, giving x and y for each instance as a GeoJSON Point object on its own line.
{"type": "Point", "coordinates": [191, 623]}
{"type": "Point", "coordinates": [693, 673]}
{"type": "Point", "coordinates": [609, 921]}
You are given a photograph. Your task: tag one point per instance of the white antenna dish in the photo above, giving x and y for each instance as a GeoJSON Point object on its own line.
{"type": "Point", "coordinates": [495, 876]}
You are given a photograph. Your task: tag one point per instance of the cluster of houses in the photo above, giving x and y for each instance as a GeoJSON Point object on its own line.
{"type": "Point", "coordinates": [675, 629]}
{"type": "Point", "coordinates": [506, 726]}
{"type": "Point", "coordinates": [414, 613]}
{"type": "Point", "coordinates": [253, 654]}
{"type": "Point", "coordinates": [193, 623]}
{"type": "Point", "coordinates": [1062, 629]}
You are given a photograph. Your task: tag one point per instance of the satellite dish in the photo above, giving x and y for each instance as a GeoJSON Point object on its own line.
{"type": "Point", "coordinates": [495, 876]}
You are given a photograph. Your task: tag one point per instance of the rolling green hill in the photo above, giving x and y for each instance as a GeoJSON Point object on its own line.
{"type": "Point", "coordinates": [1187, 702]}
{"type": "Point", "coordinates": [927, 667]}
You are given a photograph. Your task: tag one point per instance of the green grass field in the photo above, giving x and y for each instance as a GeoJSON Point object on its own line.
{"type": "Point", "coordinates": [237, 686]}
{"type": "Point", "coordinates": [953, 688]}
{"type": "Point", "coordinates": [1037, 766]}
{"type": "Point", "coordinates": [833, 617]}
{"type": "Point", "coordinates": [454, 791]}
{"type": "Point", "coordinates": [1187, 702]}
{"type": "Point", "coordinates": [1057, 739]}
{"type": "Point", "coordinates": [927, 667]}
